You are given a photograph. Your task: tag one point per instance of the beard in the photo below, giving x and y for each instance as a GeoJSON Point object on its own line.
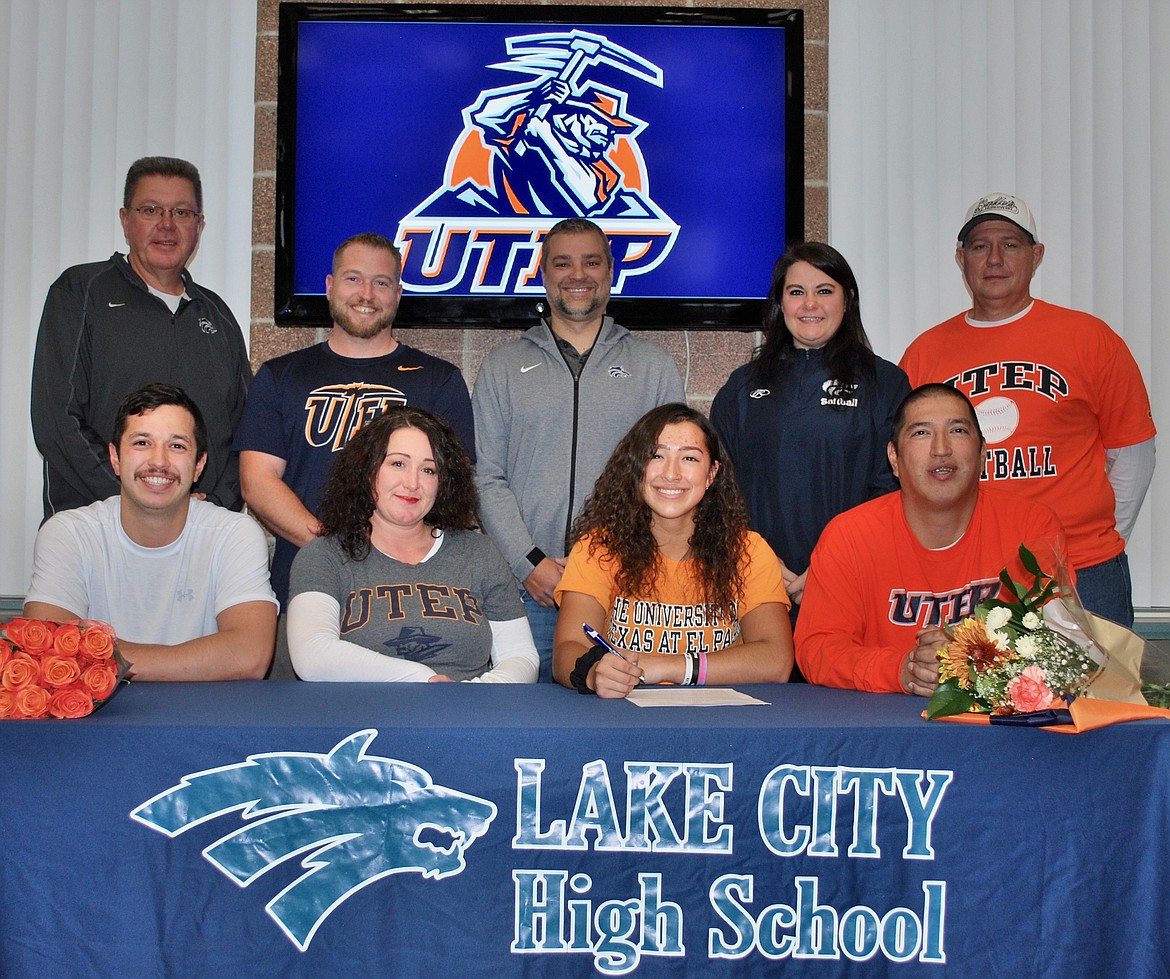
{"type": "Point", "coordinates": [362, 331]}
{"type": "Point", "coordinates": [582, 311]}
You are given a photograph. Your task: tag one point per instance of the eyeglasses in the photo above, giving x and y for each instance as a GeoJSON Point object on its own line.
{"type": "Point", "coordinates": [153, 213]}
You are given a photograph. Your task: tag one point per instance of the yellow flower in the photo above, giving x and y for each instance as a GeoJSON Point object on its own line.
{"type": "Point", "coordinates": [971, 645]}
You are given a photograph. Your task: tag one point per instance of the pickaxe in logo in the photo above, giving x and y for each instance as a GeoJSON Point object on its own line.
{"type": "Point", "coordinates": [564, 56]}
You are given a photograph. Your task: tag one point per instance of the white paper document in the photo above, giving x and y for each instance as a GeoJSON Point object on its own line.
{"type": "Point", "coordinates": [690, 697]}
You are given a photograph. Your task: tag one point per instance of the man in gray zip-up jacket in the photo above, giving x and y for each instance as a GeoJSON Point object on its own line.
{"type": "Point", "coordinates": [550, 406]}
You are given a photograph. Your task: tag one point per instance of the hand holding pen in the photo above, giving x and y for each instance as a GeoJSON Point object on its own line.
{"type": "Point", "coordinates": [613, 675]}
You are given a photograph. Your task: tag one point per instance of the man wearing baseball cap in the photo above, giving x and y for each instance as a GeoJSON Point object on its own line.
{"type": "Point", "coordinates": [1060, 398]}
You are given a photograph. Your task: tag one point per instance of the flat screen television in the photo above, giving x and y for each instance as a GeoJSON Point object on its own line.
{"type": "Point", "coordinates": [464, 132]}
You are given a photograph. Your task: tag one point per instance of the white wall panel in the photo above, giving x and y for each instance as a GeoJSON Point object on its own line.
{"type": "Point", "coordinates": [935, 102]}
{"type": "Point", "coordinates": [87, 87]}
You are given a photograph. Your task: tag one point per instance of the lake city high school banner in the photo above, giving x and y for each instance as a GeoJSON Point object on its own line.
{"type": "Point", "coordinates": [350, 819]}
{"type": "Point", "coordinates": [190, 830]}
{"type": "Point", "coordinates": [608, 865]}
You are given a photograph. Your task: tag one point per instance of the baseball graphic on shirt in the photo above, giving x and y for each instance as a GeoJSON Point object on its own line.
{"type": "Point", "coordinates": [998, 418]}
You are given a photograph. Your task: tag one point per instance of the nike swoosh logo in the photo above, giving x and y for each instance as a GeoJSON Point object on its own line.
{"type": "Point", "coordinates": [403, 367]}
{"type": "Point", "coordinates": [116, 305]}
{"type": "Point", "coordinates": [530, 367]}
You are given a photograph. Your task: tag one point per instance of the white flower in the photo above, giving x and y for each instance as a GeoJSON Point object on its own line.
{"type": "Point", "coordinates": [1027, 646]}
{"type": "Point", "coordinates": [998, 617]}
{"type": "Point", "coordinates": [1031, 621]}
{"type": "Point", "coordinates": [1002, 640]}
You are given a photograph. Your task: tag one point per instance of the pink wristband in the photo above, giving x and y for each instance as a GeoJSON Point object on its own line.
{"type": "Point", "coordinates": [702, 669]}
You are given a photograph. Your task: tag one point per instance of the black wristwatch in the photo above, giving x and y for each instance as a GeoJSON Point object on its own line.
{"type": "Point", "coordinates": [535, 556]}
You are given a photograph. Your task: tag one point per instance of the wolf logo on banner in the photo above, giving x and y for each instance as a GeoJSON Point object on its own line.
{"type": "Point", "coordinates": [350, 817]}
{"type": "Point", "coordinates": [560, 143]}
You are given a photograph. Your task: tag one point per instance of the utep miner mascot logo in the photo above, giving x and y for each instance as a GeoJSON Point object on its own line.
{"type": "Point", "coordinates": [561, 143]}
{"type": "Point", "coordinates": [353, 819]}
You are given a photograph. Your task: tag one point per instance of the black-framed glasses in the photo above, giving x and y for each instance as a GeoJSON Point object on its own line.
{"type": "Point", "coordinates": [155, 213]}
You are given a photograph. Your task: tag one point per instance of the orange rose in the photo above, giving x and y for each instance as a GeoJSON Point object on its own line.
{"type": "Point", "coordinates": [100, 680]}
{"type": "Point", "coordinates": [7, 703]}
{"type": "Point", "coordinates": [5, 653]}
{"type": "Point", "coordinates": [32, 701]}
{"type": "Point", "coordinates": [60, 671]}
{"type": "Point", "coordinates": [72, 701]}
{"type": "Point", "coordinates": [67, 639]}
{"type": "Point", "coordinates": [97, 643]}
{"type": "Point", "coordinates": [36, 636]}
{"type": "Point", "coordinates": [97, 624]}
{"type": "Point", "coordinates": [14, 630]}
{"type": "Point", "coordinates": [21, 671]}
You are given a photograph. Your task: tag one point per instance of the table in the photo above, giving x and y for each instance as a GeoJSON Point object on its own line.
{"type": "Point", "coordinates": [465, 830]}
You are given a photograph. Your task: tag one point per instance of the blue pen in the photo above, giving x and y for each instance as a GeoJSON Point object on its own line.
{"type": "Point", "coordinates": [599, 640]}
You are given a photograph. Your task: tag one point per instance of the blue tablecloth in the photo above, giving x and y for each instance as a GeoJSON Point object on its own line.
{"type": "Point", "coordinates": [453, 829]}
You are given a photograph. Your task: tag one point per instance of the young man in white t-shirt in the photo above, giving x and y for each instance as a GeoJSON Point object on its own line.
{"type": "Point", "coordinates": [183, 582]}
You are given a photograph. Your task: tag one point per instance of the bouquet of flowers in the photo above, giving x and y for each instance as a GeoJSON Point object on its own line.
{"type": "Point", "coordinates": [1006, 659]}
{"type": "Point", "coordinates": [57, 669]}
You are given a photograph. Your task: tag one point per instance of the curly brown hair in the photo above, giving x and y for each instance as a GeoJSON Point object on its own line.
{"type": "Point", "coordinates": [617, 518]}
{"type": "Point", "coordinates": [348, 501]}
